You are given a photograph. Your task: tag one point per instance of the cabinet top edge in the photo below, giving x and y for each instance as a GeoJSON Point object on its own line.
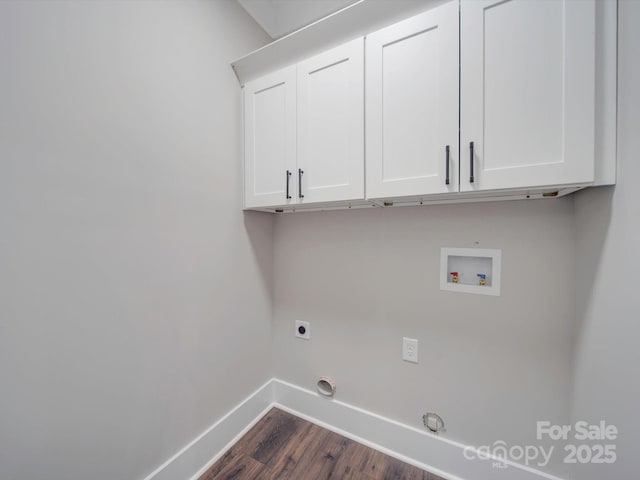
{"type": "Point", "coordinates": [353, 21]}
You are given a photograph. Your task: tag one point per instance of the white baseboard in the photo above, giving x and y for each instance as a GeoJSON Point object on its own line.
{"type": "Point", "coordinates": [435, 454]}
{"type": "Point", "coordinates": [438, 455]}
{"type": "Point", "coordinates": [196, 457]}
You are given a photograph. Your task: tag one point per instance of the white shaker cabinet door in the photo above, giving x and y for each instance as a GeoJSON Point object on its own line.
{"type": "Point", "coordinates": [270, 139]}
{"type": "Point", "coordinates": [527, 93]}
{"type": "Point", "coordinates": [331, 125]}
{"type": "Point", "coordinates": [412, 108]}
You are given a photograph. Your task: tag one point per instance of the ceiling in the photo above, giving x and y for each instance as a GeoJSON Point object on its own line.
{"type": "Point", "coordinates": [281, 17]}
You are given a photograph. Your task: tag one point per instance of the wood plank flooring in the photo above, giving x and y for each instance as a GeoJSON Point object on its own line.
{"type": "Point", "coordinates": [284, 447]}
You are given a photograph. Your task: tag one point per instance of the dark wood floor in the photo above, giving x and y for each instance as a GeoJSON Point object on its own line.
{"type": "Point", "coordinates": [282, 446]}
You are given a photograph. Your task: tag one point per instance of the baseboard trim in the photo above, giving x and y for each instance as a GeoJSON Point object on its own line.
{"type": "Point", "coordinates": [195, 458]}
{"type": "Point", "coordinates": [438, 455]}
{"type": "Point", "coordinates": [417, 447]}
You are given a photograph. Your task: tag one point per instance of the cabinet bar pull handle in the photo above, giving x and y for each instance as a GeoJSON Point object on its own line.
{"type": "Point", "coordinates": [288, 176]}
{"type": "Point", "coordinates": [446, 181]}
{"type": "Point", "coordinates": [471, 176]}
{"type": "Point", "coordinates": [300, 172]}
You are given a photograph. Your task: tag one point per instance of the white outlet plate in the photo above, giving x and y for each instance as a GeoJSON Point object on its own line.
{"type": "Point", "coordinates": [307, 330]}
{"type": "Point", "coordinates": [410, 350]}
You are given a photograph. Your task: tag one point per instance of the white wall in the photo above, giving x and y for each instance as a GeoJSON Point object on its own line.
{"type": "Point", "coordinates": [490, 366]}
{"type": "Point", "coordinates": [134, 296]}
{"type": "Point", "coordinates": [608, 237]}
{"type": "Point", "coordinates": [281, 17]}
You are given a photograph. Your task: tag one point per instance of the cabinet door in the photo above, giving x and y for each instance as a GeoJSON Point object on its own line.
{"type": "Point", "coordinates": [331, 125]}
{"type": "Point", "coordinates": [527, 93]}
{"type": "Point", "coordinates": [412, 105]}
{"type": "Point", "coordinates": [270, 139]}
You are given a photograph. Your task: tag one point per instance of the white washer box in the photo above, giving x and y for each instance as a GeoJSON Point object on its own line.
{"type": "Point", "coordinates": [470, 263]}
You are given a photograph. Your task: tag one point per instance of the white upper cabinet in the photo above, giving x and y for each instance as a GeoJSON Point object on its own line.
{"type": "Point", "coordinates": [331, 125]}
{"type": "Point", "coordinates": [270, 139]}
{"type": "Point", "coordinates": [412, 105]}
{"type": "Point", "coordinates": [304, 131]}
{"type": "Point", "coordinates": [473, 99]}
{"type": "Point", "coordinates": [527, 93]}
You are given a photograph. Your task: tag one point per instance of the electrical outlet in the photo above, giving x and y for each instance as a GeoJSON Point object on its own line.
{"type": "Point", "coordinates": [410, 350]}
{"type": "Point", "coordinates": [303, 330]}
